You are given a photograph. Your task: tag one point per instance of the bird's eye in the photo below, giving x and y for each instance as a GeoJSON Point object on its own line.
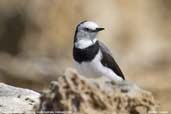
{"type": "Point", "coordinates": [87, 29]}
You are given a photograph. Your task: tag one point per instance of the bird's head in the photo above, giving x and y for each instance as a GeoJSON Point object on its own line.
{"type": "Point", "coordinates": [87, 30]}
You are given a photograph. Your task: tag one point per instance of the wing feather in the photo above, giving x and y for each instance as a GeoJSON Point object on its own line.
{"type": "Point", "coordinates": [109, 61]}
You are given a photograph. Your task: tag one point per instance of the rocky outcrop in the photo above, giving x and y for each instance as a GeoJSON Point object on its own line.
{"type": "Point", "coordinates": [78, 95]}
{"type": "Point", "coordinates": [17, 100]}
{"type": "Point", "coordinates": [72, 93]}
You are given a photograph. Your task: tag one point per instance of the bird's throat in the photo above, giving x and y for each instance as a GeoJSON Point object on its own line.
{"type": "Point", "coordinates": [84, 43]}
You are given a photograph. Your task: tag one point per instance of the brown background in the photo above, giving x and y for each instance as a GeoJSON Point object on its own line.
{"type": "Point", "coordinates": [36, 39]}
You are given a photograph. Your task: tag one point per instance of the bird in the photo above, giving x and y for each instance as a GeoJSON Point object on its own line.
{"type": "Point", "coordinates": [91, 57]}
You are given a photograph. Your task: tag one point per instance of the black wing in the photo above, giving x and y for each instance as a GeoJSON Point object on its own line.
{"type": "Point", "coordinates": [109, 61]}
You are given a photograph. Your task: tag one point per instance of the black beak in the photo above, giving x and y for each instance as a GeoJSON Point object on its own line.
{"type": "Point", "coordinates": [99, 29]}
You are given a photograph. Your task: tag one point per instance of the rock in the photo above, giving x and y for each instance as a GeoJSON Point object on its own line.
{"type": "Point", "coordinates": [72, 93]}
{"type": "Point", "coordinates": [17, 100]}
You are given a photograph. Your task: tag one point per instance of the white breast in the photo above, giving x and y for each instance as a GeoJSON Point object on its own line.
{"type": "Point", "coordinates": [94, 68]}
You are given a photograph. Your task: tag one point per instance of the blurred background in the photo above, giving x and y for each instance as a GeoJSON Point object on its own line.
{"type": "Point", "coordinates": [36, 40]}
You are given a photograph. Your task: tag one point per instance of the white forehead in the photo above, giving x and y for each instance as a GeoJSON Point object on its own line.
{"type": "Point", "coordinates": [89, 24]}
